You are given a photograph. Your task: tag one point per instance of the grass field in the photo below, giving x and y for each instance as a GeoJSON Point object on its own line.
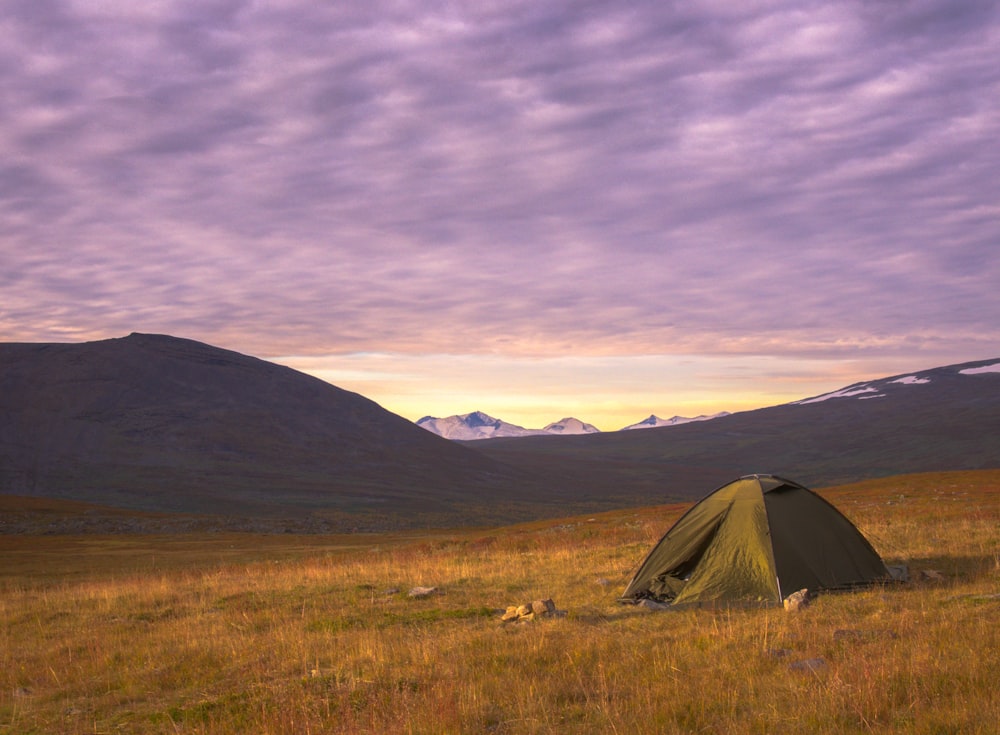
{"type": "Point", "coordinates": [225, 633]}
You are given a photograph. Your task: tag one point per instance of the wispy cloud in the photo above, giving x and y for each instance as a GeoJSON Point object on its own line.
{"type": "Point", "coordinates": [531, 179]}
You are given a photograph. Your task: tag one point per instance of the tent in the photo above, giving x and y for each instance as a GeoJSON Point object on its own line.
{"type": "Point", "coordinates": [758, 538]}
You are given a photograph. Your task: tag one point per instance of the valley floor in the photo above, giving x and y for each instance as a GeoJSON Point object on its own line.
{"type": "Point", "coordinates": [237, 633]}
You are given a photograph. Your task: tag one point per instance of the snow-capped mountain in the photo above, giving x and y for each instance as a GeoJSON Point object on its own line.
{"type": "Point", "coordinates": [655, 421]}
{"type": "Point", "coordinates": [472, 426]}
{"type": "Point", "coordinates": [571, 426]}
{"type": "Point", "coordinates": [478, 425]}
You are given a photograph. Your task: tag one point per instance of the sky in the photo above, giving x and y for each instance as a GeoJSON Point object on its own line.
{"type": "Point", "coordinates": [534, 209]}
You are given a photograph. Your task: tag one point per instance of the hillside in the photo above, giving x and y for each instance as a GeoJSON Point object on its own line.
{"type": "Point", "coordinates": [158, 423]}
{"type": "Point", "coordinates": [947, 418]}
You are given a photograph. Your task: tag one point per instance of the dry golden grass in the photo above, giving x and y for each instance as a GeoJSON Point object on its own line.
{"type": "Point", "coordinates": [291, 634]}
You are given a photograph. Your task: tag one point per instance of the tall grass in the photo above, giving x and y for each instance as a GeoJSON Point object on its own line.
{"type": "Point", "coordinates": [292, 635]}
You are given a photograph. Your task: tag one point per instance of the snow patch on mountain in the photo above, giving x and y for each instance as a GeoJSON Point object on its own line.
{"type": "Point", "coordinates": [849, 392]}
{"type": "Point", "coordinates": [994, 368]}
{"type": "Point", "coordinates": [654, 421]}
{"type": "Point", "coordinates": [911, 380]}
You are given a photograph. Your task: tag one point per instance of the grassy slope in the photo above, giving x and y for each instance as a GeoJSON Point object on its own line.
{"type": "Point", "coordinates": [212, 633]}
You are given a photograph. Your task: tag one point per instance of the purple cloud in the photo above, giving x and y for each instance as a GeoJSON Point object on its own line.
{"type": "Point", "coordinates": [779, 177]}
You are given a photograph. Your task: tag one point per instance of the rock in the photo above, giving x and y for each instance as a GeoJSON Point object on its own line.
{"type": "Point", "coordinates": [899, 572]}
{"type": "Point", "coordinates": [931, 575]}
{"type": "Point", "coordinates": [797, 600]}
{"type": "Point", "coordinates": [647, 604]}
{"type": "Point", "coordinates": [543, 607]}
{"type": "Point", "coordinates": [391, 591]}
{"type": "Point", "coordinates": [423, 591]}
{"type": "Point", "coordinates": [530, 611]}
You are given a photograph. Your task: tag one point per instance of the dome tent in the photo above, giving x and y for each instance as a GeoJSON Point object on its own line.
{"type": "Point", "coordinates": [756, 539]}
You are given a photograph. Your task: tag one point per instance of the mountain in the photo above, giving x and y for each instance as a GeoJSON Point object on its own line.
{"type": "Point", "coordinates": [946, 418]}
{"type": "Point", "coordinates": [570, 426]}
{"type": "Point", "coordinates": [478, 425]}
{"type": "Point", "coordinates": [654, 422]}
{"type": "Point", "coordinates": [473, 426]}
{"type": "Point", "coordinates": [158, 423]}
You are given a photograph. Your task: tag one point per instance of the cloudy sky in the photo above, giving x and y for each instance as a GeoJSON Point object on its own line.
{"type": "Point", "coordinates": [536, 209]}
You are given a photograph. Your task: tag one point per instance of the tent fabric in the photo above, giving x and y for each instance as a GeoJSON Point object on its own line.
{"type": "Point", "coordinates": [756, 539]}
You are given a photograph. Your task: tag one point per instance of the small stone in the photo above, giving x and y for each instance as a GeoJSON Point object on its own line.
{"type": "Point", "coordinates": [797, 600]}
{"type": "Point", "coordinates": [510, 614]}
{"type": "Point", "coordinates": [423, 591]}
{"type": "Point", "coordinates": [523, 610]}
{"type": "Point", "coordinates": [648, 604]}
{"type": "Point", "coordinates": [931, 574]}
{"type": "Point", "coordinates": [899, 572]}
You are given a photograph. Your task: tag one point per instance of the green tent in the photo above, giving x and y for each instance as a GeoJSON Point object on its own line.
{"type": "Point", "coordinates": [759, 538]}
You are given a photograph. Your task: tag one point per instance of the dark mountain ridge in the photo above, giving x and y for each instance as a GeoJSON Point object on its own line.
{"type": "Point", "coordinates": [165, 424]}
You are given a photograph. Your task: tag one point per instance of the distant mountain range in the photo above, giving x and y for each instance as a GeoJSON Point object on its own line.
{"type": "Point", "coordinates": [478, 425]}
{"type": "Point", "coordinates": [158, 423]}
